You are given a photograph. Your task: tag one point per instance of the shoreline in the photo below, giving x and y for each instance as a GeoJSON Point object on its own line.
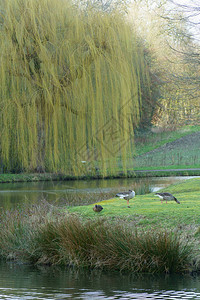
{"type": "Point", "coordinates": [79, 237]}
{"type": "Point", "coordinates": [34, 177]}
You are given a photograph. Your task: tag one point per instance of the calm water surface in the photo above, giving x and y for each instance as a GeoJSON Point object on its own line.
{"type": "Point", "coordinates": [14, 194]}
{"type": "Point", "coordinates": [18, 281]}
{"type": "Point", "coordinates": [24, 282]}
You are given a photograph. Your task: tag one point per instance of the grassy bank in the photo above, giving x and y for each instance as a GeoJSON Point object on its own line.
{"type": "Point", "coordinates": [24, 177]}
{"type": "Point", "coordinates": [42, 235]}
{"type": "Point", "coordinates": [148, 237]}
{"type": "Point", "coordinates": [149, 140]}
{"type": "Point", "coordinates": [140, 173]}
{"type": "Point", "coordinates": [147, 213]}
{"type": "Point", "coordinates": [168, 150]}
{"type": "Point", "coordinates": [147, 210]}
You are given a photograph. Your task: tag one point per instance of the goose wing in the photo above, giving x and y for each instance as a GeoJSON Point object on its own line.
{"type": "Point", "coordinates": [123, 194]}
{"type": "Point", "coordinates": [167, 195]}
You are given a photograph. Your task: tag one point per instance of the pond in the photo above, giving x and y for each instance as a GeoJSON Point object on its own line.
{"type": "Point", "coordinates": [24, 282]}
{"type": "Point", "coordinates": [21, 281]}
{"type": "Point", "coordinates": [78, 192]}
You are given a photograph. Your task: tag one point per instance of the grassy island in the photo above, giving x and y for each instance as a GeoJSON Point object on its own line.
{"type": "Point", "coordinates": [147, 237]}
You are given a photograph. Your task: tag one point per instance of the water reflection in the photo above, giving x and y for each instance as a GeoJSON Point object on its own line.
{"type": "Point", "coordinates": [59, 192]}
{"type": "Point", "coordinates": [24, 282]}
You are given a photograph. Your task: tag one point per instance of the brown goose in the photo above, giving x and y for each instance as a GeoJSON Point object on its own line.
{"type": "Point", "coordinates": [97, 208]}
{"type": "Point", "coordinates": [166, 197]}
{"type": "Point", "coordinates": [126, 195]}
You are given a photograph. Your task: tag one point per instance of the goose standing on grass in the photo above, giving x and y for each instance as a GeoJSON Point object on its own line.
{"type": "Point", "coordinates": [97, 208]}
{"type": "Point", "coordinates": [166, 197]}
{"type": "Point", "coordinates": [127, 196]}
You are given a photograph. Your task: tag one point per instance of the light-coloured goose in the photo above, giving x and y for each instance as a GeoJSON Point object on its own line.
{"type": "Point", "coordinates": [97, 208]}
{"type": "Point", "coordinates": [166, 197]}
{"type": "Point", "coordinates": [126, 195]}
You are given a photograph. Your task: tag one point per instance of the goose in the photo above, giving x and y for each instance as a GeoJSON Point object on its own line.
{"type": "Point", "coordinates": [97, 208]}
{"type": "Point", "coordinates": [166, 197]}
{"type": "Point", "coordinates": [126, 195]}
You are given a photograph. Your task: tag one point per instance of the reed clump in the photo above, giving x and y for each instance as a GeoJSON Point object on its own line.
{"type": "Point", "coordinates": [44, 235]}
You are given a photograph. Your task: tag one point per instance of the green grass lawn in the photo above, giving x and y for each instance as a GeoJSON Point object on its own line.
{"type": "Point", "coordinates": [149, 141]}
{"type": "Point", "coordinates": [146, 211]}
{"type": "Point", "coordinates": [177, 149]}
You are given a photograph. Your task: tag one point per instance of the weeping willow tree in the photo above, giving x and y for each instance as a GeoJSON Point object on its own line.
{"type": "Point", "coordinates": [70, 87]}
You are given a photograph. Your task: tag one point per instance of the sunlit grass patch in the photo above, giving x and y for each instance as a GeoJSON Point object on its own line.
{"type": "Point", "coordinates": [149, 206]}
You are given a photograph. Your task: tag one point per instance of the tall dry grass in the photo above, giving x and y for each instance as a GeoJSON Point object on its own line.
{"type": "Point", "coordinates": [45, 235]}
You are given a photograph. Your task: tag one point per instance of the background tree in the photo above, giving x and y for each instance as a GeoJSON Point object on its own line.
{"type": "Point", "coordinates": [169, 38]}
{"type": "Point", "coordinates": [187, 54]}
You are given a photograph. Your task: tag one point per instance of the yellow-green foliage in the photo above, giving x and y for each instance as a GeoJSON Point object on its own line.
{"type": "Point", "coordinates": [70, 87]}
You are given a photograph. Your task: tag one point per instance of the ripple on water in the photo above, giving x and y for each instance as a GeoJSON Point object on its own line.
{"type": "Point", "coordinates": [168, 295]}
{"type": "Point", "coordinates": [33, 294]}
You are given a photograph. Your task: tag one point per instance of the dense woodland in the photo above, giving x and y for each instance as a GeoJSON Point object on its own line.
{"type": "Point", "coordinates": [171, 32]}
{"type": "Point", "coordinates": [77, 79]}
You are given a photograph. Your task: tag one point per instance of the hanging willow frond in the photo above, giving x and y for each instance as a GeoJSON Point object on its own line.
{"type": "Point", "coordinates": [70, 88]}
